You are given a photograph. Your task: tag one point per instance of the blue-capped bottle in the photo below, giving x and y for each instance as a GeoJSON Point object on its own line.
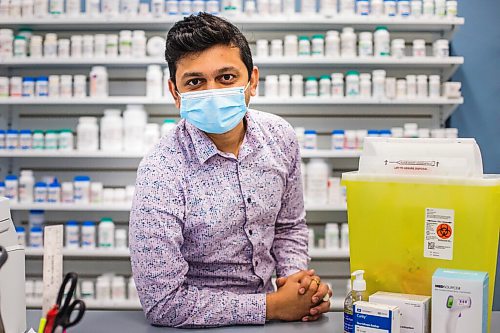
{"type": "Point", "coordinates": [358, 293]}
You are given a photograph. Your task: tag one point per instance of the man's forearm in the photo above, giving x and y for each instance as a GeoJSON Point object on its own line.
{"type": "Point", "coordinates": [193, 307]}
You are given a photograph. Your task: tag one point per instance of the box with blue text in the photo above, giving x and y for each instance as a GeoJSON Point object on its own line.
{"type": "Point", "coordinates": [415, 310]}
{"type": "Point", "coordinates": [376, 318]}
{"type": "Point", "coordinates": [459, 301]}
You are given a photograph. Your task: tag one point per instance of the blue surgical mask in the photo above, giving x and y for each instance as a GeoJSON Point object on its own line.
{"type": "Point", "coordinates": [214, 111]}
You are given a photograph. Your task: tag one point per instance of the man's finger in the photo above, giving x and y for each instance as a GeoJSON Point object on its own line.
{"type": "Point", "coordinates": [280, 282]}
{"type": "Point", "coordinates": [323, 290]}
{"type": "Point", "coordinates": [322, 308]}
{"type": "Point", "coordinates": [299, 275]}
{"type": "Point", "coordinates": [305, 283]}
{"type": "Point", "coordinates": [311, 318]}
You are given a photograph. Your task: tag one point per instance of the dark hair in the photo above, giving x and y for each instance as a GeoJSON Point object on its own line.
{"type": "Point", "coordinates": [197, 33]}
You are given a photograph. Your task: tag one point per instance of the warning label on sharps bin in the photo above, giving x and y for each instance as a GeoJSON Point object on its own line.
{"type": "Point", "coordinates": [439, 233]}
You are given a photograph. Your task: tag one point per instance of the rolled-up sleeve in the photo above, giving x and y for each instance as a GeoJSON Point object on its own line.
{"type": "Point", "coordinates": [159, 268]}
{"type": "Point", "coordinates": [291, 234]}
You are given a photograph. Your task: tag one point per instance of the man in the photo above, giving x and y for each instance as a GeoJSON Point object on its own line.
{"type": "Point", "coordinates": [219, 203]}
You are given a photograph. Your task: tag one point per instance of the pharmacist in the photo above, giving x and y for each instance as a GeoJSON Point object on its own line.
{"type": "Point", "coordinates": [219, 202]}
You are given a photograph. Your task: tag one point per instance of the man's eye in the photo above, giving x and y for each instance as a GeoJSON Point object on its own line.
{"type": "Point", "coordinates": [194, 82]}
{"type": "Point", "coordinates": [227, 77]}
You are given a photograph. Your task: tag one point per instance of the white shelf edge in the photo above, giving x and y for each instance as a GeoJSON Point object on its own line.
{"type": "Point", "coordinates": [93, 304]}
{"type": "Point", "coordinates": [320, 153]}
{"type": "Point", "coordinates": [328, 254]}
{"type": "Point", "coordinates": [83, 253]}
{"type": "Point", "coordinates": [123, 100]}
{"type": "Point", "coordinates": [66, 154]}
{"type": "Point", "coordinates": [268, 61]}
{"type": "Point", "coordinates": [126, 208]}
{"type": "Point", "coordinates": [124, 253]}
{"type": "Point", "coordinates": [71, 207]}
{"type": "Point", "coordinates": [241, 19]}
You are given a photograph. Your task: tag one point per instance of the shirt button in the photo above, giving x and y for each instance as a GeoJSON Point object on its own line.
{"type": "Point", "coordinates": [250, 232]}
{"type": "Point", "coordinates": [249, 200]}
{"type": "Point", "coordinates": [256, 263]}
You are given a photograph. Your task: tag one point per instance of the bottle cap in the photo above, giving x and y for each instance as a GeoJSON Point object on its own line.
{"type": "Point", "coordinates": [359, 283]}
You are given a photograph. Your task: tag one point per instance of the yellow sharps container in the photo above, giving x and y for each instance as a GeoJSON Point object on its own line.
{"type": "Point", "coordinates": [416, 205]}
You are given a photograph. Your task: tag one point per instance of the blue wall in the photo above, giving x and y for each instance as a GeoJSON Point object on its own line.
{"type": "Point", "coordinates": [479, 42]}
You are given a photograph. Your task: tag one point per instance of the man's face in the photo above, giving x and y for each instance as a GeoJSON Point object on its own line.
{"type": "Point", "coordinates": [217, 67]}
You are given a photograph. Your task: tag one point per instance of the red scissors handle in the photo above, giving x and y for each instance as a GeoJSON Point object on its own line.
{"type": "Point", "coordinates": [51, 319]}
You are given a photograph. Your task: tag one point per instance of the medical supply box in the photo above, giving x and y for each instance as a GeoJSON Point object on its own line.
{"type": "Point", "coordinates": [416, 205]}
{"type": "Point", "coordinates": [376, 318]}
{"type": "Point", "coordinates": [459, 301]}
{"type": "Point", "coordinates": [415, 310]}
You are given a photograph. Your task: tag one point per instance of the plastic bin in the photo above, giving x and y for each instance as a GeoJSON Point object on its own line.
{"type": "Point", "coordinates": [388, 218]}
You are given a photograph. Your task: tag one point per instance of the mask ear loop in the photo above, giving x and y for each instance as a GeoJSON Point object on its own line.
{"type": "Point", "coordinates": [244, 90]}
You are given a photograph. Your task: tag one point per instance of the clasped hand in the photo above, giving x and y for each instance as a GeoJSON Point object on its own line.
{"type": "Point", "coordinates": [300, 296]}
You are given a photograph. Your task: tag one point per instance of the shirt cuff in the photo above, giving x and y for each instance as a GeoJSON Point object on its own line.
{"type": "Point", "coordinates": [251, 310]}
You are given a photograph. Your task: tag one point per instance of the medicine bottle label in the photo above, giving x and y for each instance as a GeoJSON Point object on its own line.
{"type": "Point", "coordinates": [348, 322]}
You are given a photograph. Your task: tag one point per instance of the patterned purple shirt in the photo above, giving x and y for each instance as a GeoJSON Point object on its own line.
{"type": "Point", "coordinates": [208, 230]}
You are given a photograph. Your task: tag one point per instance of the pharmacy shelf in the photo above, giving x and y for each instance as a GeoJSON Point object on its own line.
{"type": "Point", "coordinates": [329, 254]}
{"type": "Point", "coordinates": [448, 66]}
{"type": "Point", "coordinates": [83, 253]}
{"type": "Point", "coordinates": [63, 207]}
{"type": "Point", "coordinates": [71, 207]}
{"type": "Point", "coordinates": [252, 23]}
{"type": "Point", "coordinates": [320, 153]}
{"type": "Point", "coordinates": [93, 304]}
{"type": "Point", "coordinates": [324, 254]}
{"type": "Point", "coordinates": [123, 100]}
{"type": "Point", "coordinates": [68, 154]}
{"type": "Point", "coordinates": [411, 62]}
{"type": "Point", "coordinates": [124, 155]}
{"type": "Point", "coordinates": [337, 304]}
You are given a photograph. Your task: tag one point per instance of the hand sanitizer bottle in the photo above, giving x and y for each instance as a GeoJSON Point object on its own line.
{"type": "Point", "coordinates": [358, 293]}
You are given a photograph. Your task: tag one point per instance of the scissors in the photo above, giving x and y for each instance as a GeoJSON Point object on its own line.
{"type": "Point", "coordinates": [3, 259]}
{"type": "Point", "coordinates": [61, 315]}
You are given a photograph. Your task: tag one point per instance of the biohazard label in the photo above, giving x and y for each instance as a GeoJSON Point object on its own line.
{"type": "Point", "coordinates": [439, 233]}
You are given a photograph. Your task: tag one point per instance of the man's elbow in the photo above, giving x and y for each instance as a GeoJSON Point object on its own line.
{"type": "Point", "coordinates": [166, 315]}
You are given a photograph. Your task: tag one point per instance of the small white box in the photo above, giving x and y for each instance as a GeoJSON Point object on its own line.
{"type": "Point", "coordinates": [459, 301]}
{"type": "Point", "coordinates": [376, 318]}
{"type": "Point", "coordinates": [415, 310]}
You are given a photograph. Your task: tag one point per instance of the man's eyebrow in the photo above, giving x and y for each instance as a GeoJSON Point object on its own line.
{"type": "Point", "coordinates": [192, 74]}
{"type": "Point", "coordinates": [226, 69]}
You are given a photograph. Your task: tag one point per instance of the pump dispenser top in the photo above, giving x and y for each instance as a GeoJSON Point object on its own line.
{"type": "Point", "coordinates": [359, 283]}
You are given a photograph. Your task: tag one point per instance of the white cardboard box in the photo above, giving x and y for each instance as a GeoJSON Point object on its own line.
{"type": "Point", "coordinates": [376, 318]}
{"type": "Point", "coordinates": [415, 310]}
{"type": "Point", "coordinates": [459, 301]}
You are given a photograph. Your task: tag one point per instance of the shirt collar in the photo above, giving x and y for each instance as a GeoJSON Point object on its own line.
{"type": "Point", "coordinates": [205, 148]}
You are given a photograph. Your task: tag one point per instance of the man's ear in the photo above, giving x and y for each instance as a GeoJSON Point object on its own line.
{"type": "Point", "coordinates": [173, 92]}
{"type": "Point", "coordinates": [254, 81]}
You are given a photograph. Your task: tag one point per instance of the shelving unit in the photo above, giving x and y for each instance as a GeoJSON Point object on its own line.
{"type": "Point", "coordinates": [323, 254]}
{"type": "Point", "coordinates": [93, 304]}
{"type": "Point", "coordinates": [445, 26]}
{"type": "Point", "coordinates": [62, 207]}
{"type": "Point", "coordinates": [448, 66]}
{"type": "Point", "coordinates": [305, 101]}
{"type": "Point", "coordinates": [320, 153]}
{"type": "Point", "coordinates": [323, 114]}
